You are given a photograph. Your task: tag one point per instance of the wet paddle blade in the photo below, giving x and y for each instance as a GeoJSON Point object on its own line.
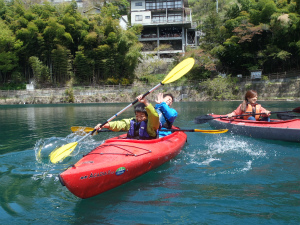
{"type": "Point", "coordinates": [203, 119]}
{"type": "Point", "coordinates": [212, 131]}
{"type": "Point", "coordinates": [82, 130]}
{"type": "Point", "coordinates": [62, 152]}
{"type": "Point", "coordinates": [179, 70]}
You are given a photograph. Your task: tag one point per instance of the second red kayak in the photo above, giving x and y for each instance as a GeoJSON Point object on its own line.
{"type": "Point", "coordinates": [118, 161]}
{"type": "Point", "coordinates": [284, 130]}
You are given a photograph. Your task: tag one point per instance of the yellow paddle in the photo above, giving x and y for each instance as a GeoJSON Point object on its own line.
{"type": "Point", "coordinates": [83, 130]}
{"type": "Point", "coordinates": [177, 72]}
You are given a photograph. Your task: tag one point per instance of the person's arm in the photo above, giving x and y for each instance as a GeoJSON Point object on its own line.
{"type": "Point", "coordinates": [169, 113]}
{"type": "Point", "coordinates": [267, 113]}
{"type": "Point", "coordinates": [120, 125]}
{"type": "Point", "coordinates": [153, 120]}
{"type": "Point", "coordinates": [236, 112]}
{"type": "Point", "coordinates": [116, 125]}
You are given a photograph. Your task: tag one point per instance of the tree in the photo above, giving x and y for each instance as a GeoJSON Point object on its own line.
{"type": "Point", "coordinates": [40, 71]}
{"type": "Point", "coordinates": [9, 46]}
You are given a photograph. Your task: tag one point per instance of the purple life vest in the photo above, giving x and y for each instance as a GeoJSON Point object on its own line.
{"type": "Point", "coordinates": [138, 130]}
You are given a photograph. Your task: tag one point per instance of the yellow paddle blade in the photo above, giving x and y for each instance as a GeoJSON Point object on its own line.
{"type": "Point", "coordinates": [179, 70]}
{"type": "Point", "coordinates": [82, 130]}
{"type": "Point", "coordinates": [62, 152]}
{"type": "Point", "coordinates": [212, 131]}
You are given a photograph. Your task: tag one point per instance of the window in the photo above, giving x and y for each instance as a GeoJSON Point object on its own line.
{"type": "Point", "coordinates": [178, 4]}
{"type": "Point", "coordinates": [138, 18]}
{"type": "Point", "coordinates": [161, 4]}
{"type": "Point", "coordinates": [138, 4]}
{"type": "Point", "coordinates": [150, 4]}
{"type": "Point", "coordinates": [170, 4]}
{"type": "Point", "coordinates": [147, 17]}
{"type": "Point", "coordinates": [174, 17]}
{"type": "Point", "coordinates": [160, 18]}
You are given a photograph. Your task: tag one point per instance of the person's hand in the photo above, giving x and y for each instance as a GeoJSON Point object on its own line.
{"type": "Point", "coordinates": [267, 113]}
{"type": "Point", "coordinates": [100, 128]}
{"type": "Point", "coordinates": [142, 100]}
{"type": "Point", "coordinates": [159, 98]}
{"type": "Point", "coordinates": [229, 115]}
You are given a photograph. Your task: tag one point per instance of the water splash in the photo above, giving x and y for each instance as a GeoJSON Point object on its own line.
{"type": "Point", "coordinates": [224, 155]}
{"type": "Point", "coordinates": [44, 147]}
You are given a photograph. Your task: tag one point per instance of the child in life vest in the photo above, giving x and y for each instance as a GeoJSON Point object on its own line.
{"type": "Point", "coordinates": [167, 115]}
{"type": "Point", "coordinates": [144, 126]}
{"type": "Point", "coordinates": [249, 106]}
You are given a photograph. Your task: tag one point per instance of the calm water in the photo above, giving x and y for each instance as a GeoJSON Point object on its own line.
{"type": "Point", "coordinates": [216, 179]}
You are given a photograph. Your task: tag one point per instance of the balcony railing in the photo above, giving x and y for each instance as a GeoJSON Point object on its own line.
{"type": "Point", "coordinates": [161, 35]}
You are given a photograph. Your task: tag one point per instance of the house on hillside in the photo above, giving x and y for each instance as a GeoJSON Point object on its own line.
{"type": "Point", "coordinates": [168, 27]}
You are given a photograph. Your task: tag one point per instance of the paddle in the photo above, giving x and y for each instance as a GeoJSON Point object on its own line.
{"type": "Point", "coordinates": [286, 116]}
{"type": "Point", "coordinates": [82, 130]}
{"type": "Point", "coordinates": [205, 118]}
{"type": "Point", "coordinates": [177, 72]}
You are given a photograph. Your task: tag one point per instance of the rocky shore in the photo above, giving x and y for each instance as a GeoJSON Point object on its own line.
{"type": "Point", "coordinates": [289, 91]}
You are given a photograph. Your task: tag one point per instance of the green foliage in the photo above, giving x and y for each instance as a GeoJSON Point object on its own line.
{"type": "Point", "coordinates": [153, 78]}
{"type": "Point", "coordinates": [248, 86]}
{"type": "Point", "coordinates": [265, 78]}
{"type": "Point", "coordinates": [243, 34]}
{"type": "Point", "coordinates": [111, 81]}
{"type": "Point", "coordinates": [69, 92]}
{"type": "Point", "coordinates": [220, 88]}
{"type": "Point", "coordinates": [124, 81]}
{"type": "Point", "coordinates": [83, 68]}
{"type": "Point", "coordinates": [61, 59]}
{"type": "Point", "coordinates": [151, 71]}
{"type": "Point", "coordinates": [67, 43]}
{"type": "Point", "coordinates": [204, 67]}
{"type": "Point", "coordinates": [40, 71]}
{"type": "Point", "coordinates": [13, 86]}
{"type": "Point", "coordinates": [249, 34]}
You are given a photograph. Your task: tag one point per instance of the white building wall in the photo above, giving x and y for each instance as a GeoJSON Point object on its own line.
{"type": "Point", "coordinates": [124, 22]}
{"type": "Point", "coordinates": [141, 17]}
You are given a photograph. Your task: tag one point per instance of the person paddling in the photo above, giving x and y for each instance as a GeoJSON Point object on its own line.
{"type": "Point", "coordinates": [144, 126]}
{"type": "Point", "coordinates": [249, 106]}
{"type": "Point", "coordinates": [167, 115]}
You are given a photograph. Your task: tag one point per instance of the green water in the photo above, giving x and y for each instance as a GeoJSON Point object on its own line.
{"type": "Point", "coordinates": [216, 179]}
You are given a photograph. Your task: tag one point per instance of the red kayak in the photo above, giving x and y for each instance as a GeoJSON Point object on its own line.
{"type": "Point", "coordinates": [119, 160]}
{"type": "Point", "coordinates": [284, 130]}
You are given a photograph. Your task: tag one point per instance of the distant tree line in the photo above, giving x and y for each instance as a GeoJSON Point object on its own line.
{"type": "Point", "coordinates": [53, 44]}
{"type": "Point", "coordinates": [244, 35]}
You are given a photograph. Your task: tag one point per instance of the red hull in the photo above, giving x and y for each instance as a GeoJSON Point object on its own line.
{"type": "Point", "coordinates": [118, 161]}
{"type": "Point", "coordinates": [284, 130]}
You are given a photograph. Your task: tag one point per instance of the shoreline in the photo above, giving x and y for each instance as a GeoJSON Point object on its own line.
{"type": "Point", "coordinates": [285, 91]}
{"type": "Point", "coordinates": [83, 100]}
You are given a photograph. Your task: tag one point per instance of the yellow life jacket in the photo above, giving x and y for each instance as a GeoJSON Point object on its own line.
{"type": "Point", "coordinates": [251, 110]}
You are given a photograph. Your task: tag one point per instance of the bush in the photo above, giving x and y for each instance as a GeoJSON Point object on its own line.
{"type": "Point", "coordinates": [70, 91]}
{"type": "Point", "coordinates": [13, 86]}
{"type": "Point", "coordinates": [265, 78]}
{"type": "Point", "coordinates": [220, 88]}
{"type": "Point", "coordinates": [70, 95]}
{"type": "Point", "coordinates": [125, 81]}
{"type": "Point", "coordinates": [111, 81]}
